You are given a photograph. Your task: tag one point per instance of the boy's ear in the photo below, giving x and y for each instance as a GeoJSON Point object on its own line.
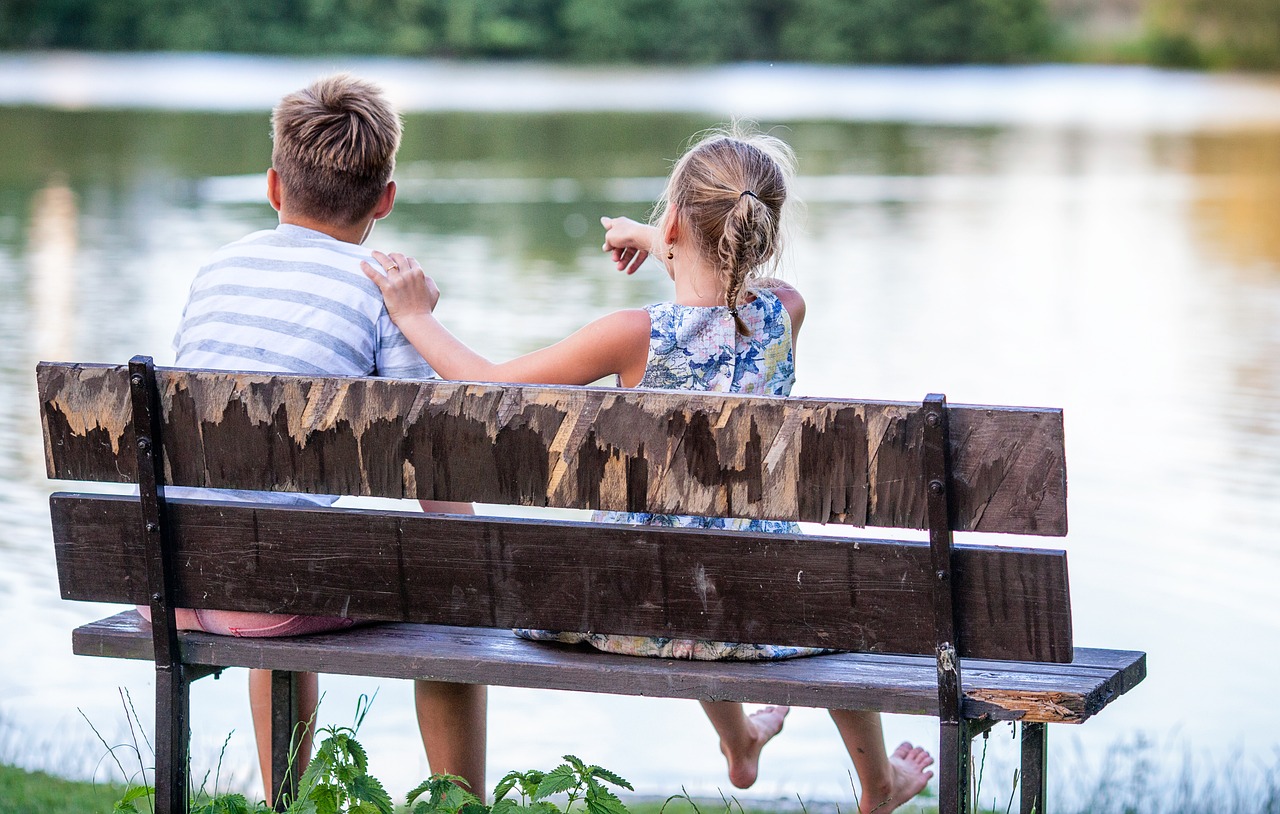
{"type": "Point", "coordinates": [386, 201]}
{"type": "Point", "coordinates": [273, 188]}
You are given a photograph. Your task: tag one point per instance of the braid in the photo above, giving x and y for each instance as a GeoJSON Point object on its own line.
{"type": "Point", "coordinates": [742, 248]}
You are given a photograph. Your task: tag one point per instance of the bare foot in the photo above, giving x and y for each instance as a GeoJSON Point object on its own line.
{"type": "Point", "coordinates": [908, 765]}
{"type": "Point", "coordinates": [744, 762]}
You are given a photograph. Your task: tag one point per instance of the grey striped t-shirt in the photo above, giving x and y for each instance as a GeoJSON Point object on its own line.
{"type": "Point", "coordinates": [292, 300]}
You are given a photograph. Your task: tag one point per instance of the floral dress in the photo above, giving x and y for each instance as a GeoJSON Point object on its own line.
{"type": "Point", "coordinates": [698, 348]}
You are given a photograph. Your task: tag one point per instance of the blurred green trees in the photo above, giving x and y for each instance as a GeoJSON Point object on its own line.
{"type": "Point", "coordinates": [1188, 33]}
{"type": "Point", "coordinates": [638, 31]}
{"type": "Point", "coordinates": [1215, 33]}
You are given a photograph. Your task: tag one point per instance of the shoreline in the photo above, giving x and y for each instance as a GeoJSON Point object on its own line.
{"type": "Point", "coordinates": [1089, 97]}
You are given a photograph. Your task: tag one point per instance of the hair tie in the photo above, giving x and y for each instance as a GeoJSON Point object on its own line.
{"type": "Point", "coordinates": [748, 192]}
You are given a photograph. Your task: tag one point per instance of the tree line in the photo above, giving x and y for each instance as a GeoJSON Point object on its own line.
{"type": "Point", "coordinates": [1188, 33]}
{"type": "Point", "coordinates": [629, 31]}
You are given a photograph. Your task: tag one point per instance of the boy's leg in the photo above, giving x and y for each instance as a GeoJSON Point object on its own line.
{"type": "Point", "coordinates": [452, 720]}
{"type": "Point", "coordinates": [260, 707]}
{"type": "Point", "coordinates": [742, 738]}
{"type": "Point", "coordinates": [887, 780]}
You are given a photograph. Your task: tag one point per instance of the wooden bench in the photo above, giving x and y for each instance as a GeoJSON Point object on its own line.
{"type": "Point", "coordinates": [975, 634]}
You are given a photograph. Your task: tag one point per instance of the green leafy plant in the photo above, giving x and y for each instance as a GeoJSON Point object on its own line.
{"type": "Point", "coordinates": [578, 781]}
{"type": "Point", "coordinates": [337, 779]}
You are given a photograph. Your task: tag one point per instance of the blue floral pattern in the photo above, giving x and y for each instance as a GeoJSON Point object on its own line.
{"type": "Point", "coordinates": [698, 348]}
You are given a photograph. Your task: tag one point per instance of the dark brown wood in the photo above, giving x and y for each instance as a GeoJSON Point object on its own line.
{"type": "Point", "coordinates": [172, 697]}
{"type": "Point", "coordinates": [1035, 768]}
{"type": "Point", "coordinates": [953, 731]}
{"type": "Point", "coordinates": [1004, 691]}
{"type": "Point", "coordinates": [865, 595]}
{"type": "Point", "coordinates": [953, 766]}
{"type": "Point", "coordinates": [854, 462]}
{"type": "Point", "coordinates": [172, 737]}
{"type": "Point", "coordinates": [145, 426]}
{"type": "Point", "coordinates": [284, 737]}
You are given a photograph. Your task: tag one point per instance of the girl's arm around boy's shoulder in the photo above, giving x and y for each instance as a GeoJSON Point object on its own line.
{"type": "Point", "coordinates": [788, 296]}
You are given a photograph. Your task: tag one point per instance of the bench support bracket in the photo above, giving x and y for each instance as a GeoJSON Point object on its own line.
{"type": "Point", "coordinates": [173, 685]}
{"type": "Point", "coordinates": [954, 735]}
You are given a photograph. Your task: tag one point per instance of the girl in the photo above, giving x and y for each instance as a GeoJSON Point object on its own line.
{"type": "Point", "coordinates": [728, 329]}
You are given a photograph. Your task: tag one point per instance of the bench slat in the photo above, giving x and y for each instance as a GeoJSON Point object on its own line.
{"type": "Point", "coordinates": [853, 462]}
{"type": "Point", "coordinates": [864, 595]}
{"type": "Point", "coordinates": [1066, 693]}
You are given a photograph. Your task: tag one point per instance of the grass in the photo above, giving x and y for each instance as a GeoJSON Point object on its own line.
{"type": "Point", "coordinates": [24, 792]}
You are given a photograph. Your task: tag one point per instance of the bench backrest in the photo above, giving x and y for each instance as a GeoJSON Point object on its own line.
{"type": "Point", "coordinates": [854, 462]}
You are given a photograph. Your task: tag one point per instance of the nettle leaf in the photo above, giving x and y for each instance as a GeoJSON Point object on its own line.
{"type": "Point", "coordinates": [606, 775]}
{"type": "Point", "coordinates": [561, 778]}
{"type": "Point", "coordinates": [605, 803]}
{"type": "Point", "coordinates": [504, 807]}
{"type": "Point", "coordinates": [369, 790]}
{"type": "Point", "coordinates": [230, 804]}
{"type": "Point", "coordinates": [456, 797]}
{"type": "Point", "coordinates": [348, 773]}
{"type": "Point", "coordinates": [422, 788]}
{"type": "Point", "coordinates": [122, 807]}
{"type": "Point", "coordinates": [304, 805]}
{"type": "Point", "coordinates": [474, 808]}
{"type": "Point", "coordinates": [532, 778]}
{"type": "Point", "coordinates": [137, 792]}
{"type": "Point", "coordinates": [576, 763]}
{"type": "Point", "coordinates": [504, 786]}
{"type": "Point", "coordinates": [358, 755]}
{"type": "Point", "coordinates": [327, 805]}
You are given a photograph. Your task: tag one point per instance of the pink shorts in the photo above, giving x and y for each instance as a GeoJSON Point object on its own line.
{"type": "Point", "coordinates": [252, 625]}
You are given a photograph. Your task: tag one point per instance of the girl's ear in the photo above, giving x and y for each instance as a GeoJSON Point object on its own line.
{"type": "Point", "coordinates": [671, 226]}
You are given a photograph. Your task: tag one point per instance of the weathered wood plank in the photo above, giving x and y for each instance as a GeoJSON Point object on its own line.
{"type": "Point", "coordinates": [865, 595]}
{"type": "Point", "coordinates": [854, 462]}
{"type": "Point", "coordinates": [1065, 693]}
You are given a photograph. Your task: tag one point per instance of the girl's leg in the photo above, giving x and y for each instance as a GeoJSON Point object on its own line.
{"type": "Point", "coordinates": [452, 720]}
{"type": "Point", "coordinates": [887, 780]}
{"type": "Point", "coordinates": [742, 738]}
{"type": "Point", "coordinates": [260, 707]}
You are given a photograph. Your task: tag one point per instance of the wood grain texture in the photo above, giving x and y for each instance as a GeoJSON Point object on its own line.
{"type": "Point", "coordinates": [1004, 691]}
{"type": "Point", "coordinates": [865, 595]}
{"type": "Point", "coordinates": [853, 462]}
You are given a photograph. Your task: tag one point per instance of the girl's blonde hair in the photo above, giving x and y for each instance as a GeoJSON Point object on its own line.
{"type": "Point", "coordinates": [728, 191]}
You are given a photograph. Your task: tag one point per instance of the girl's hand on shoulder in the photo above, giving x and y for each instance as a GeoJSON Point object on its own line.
{"type": "Point", "coordinates": [628, 242]}
{"type": "Point", "coordinates": [406, 289]}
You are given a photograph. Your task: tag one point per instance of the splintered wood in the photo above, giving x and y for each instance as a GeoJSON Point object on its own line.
{"type": "Point", "coordinates": [843, 461]}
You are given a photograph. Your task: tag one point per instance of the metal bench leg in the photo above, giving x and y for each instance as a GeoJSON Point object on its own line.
{"type": "Point", "coordinates": [173, 736]}
{"type": "Point", "coordinates": [284, 726]}
{"type": "Point", "coordinates": [1035, 765]}
{"type": "Point", "coordinates": [953, 767]}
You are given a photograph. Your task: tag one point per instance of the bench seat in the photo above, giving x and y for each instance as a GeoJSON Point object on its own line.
{"type": "Point", "coordinates": [996, 690]}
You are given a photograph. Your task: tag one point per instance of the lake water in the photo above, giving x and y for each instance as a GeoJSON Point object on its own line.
{"type": "Point", "coordinates": [1101, 240]}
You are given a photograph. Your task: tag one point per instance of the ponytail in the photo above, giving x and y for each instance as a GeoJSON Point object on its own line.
{"type": "Point", "coordinates": [729, 190]}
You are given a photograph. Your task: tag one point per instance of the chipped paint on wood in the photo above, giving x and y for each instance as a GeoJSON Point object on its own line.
{"type": "Point", "coordinates": [852, 462]}
{"type": "Point", "coordinates": [1036, 707]}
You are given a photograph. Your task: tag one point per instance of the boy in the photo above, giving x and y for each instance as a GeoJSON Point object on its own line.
{"type": "Point", "coordinates": [294, 300]}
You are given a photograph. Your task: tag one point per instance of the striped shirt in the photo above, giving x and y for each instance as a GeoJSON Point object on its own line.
{"type": "Point", "coordinates": [292, 300]}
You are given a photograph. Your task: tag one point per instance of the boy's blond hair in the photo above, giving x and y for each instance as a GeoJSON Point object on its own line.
{"type": "Point", "coordinates": [334, 148]}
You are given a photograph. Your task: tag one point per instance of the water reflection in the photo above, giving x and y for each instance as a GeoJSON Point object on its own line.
{"type": "Point", "coordinates": [1132, 278]}
{"type": "Point", "coordinates": [51, 255]}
